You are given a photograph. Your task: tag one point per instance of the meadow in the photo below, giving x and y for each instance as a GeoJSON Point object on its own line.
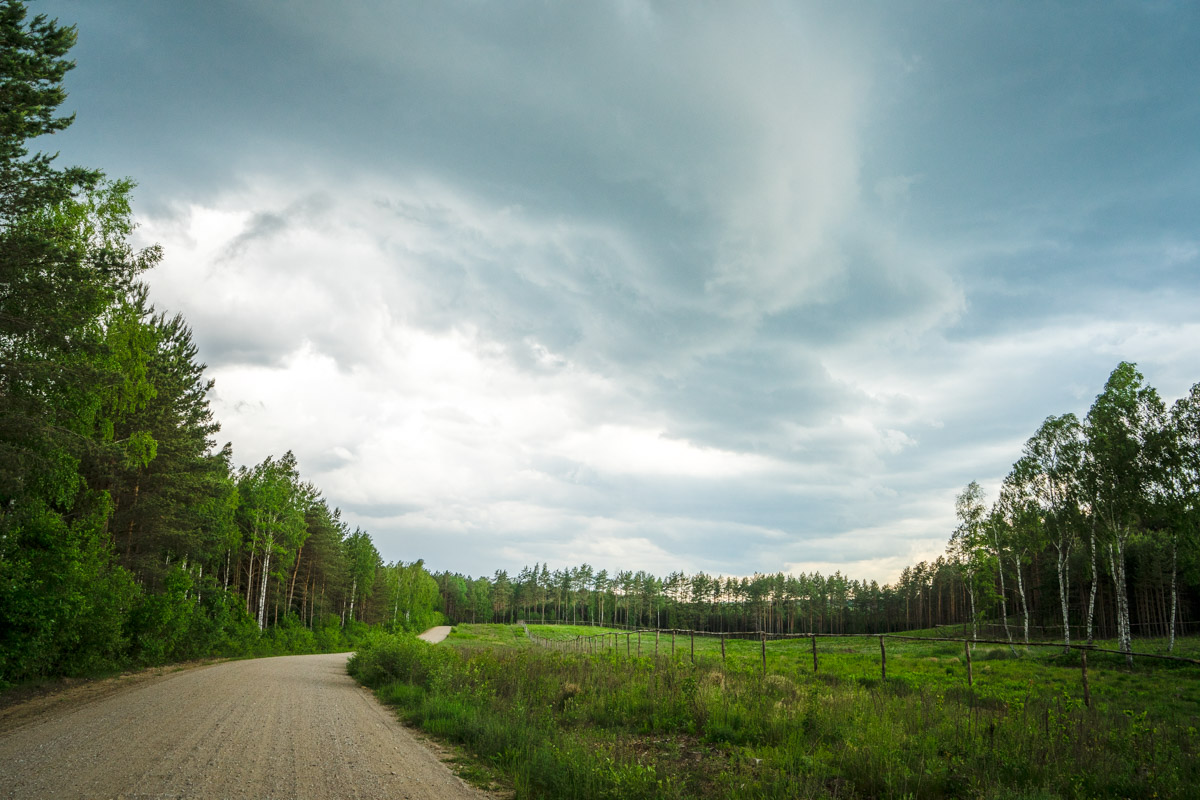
{"type": "Point", "coordinates": [555, 716]}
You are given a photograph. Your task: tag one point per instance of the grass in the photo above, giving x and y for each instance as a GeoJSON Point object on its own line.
{"type": "Point", "coordinates": [560, 723]}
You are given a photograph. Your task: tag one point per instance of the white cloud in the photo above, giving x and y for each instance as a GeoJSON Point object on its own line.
{"type": "Point", "coordinates": [655, 287]}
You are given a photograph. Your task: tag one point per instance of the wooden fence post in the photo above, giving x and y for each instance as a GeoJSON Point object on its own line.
{"type": "Point", "coordinates": [764, 650]}
{"type": "Point", "coordinates": [814, 644]}
{"type": "Point", "coordinates": [882, 660]}
{"type": "Point", "coordinates": [639, 644]}
{"type": "Point", "coordinates": [967, 648]}
{"type": "Point", "coordinates": [627, 645]}
{"type": "Point", "coordinates": [672, 642]}
{"type": "Point", "coordinates": [693, 645]}
{"type": "Point", "coordinates": [1087, 690]}
{"type": "Point", "coordinates": [722, 649]}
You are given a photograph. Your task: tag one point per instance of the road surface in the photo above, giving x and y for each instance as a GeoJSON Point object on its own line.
{"type": "Point", "coordinates": [290, 727]}
{"type": "Point", "coordinates": [435, 635]}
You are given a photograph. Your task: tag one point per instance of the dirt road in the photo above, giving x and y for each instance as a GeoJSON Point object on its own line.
{"type": "Point", "coordinates": [435, 635]}
{"type": "Point", "coordinates": [291, 727]}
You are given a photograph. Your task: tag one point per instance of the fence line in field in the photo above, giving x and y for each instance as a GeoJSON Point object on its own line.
{"type": "Point", "coordinates": [592, 643]}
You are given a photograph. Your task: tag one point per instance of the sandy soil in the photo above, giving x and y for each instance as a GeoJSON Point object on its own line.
{"type": "Point", "coordinates": [290, 727]}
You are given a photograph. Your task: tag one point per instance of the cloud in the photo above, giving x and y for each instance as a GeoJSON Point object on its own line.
{"type": "Point", "coordinates": [733, 288]}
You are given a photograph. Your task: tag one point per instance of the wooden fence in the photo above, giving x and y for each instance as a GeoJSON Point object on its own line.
{"type": "Point", "coordinates": [609, 641]}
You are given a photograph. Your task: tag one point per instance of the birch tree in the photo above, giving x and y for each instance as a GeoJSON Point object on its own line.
{"type": "Point", "coordinates": [362, 559]}
{"type": "Point", "coordinates": [1123, 428]}
{"type": "Point", "coordinates": [273, 509]}
{"type": "Point", "coordinates": [1181, 482]}
{"type": "Point", "coordinates": [966, 540]}
{"type": "Point", "coordinates": [1049, 473]}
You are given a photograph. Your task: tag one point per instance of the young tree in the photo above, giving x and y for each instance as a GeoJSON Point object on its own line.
{"type": "Point", "coordinates": [1181, 484]}
{"type": "Point", "coordinates": [362, 559]}
{"type": "Point", "coordinates": [1048, 473]}
{"type": "Point", "coordinates": [1000, 532]}
{"type": "Point", "coordinates": [273, 504]}
{"type": "Point", "coordinates": [965, 544]}
{"type": "Point", "coordinates": [1123, 430]}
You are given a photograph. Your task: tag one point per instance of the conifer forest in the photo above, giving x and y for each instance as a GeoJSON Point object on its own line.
{"type": "Point", "coordinates": [127, 535]}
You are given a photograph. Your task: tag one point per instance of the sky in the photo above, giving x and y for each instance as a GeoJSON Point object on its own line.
{"type": "Point", "coordinates": [722, 287]}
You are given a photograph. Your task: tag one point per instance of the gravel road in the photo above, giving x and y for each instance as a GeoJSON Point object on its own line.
{"type": "Point", "coordinates": [290, 727]}
{"type": "Point", "coordinates": [435, 635]}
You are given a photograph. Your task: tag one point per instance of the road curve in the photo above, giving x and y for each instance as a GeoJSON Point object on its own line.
{"type": "Point", "coordinates": [436, 634]}
{"type": "Point", "coordinates": [290, 727]}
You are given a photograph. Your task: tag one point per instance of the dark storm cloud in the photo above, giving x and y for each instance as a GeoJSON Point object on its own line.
{"type": "Point", "coordinates": [871, 246]}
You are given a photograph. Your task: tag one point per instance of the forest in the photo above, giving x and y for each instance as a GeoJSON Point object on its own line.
{"type": "Point", "coordinates": [1093, 534]}
{"type": "Point", "coordinates": [127, 536]}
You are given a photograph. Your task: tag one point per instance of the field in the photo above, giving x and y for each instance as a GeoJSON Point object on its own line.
{"type": "Point", "coordinates": [552, 720]}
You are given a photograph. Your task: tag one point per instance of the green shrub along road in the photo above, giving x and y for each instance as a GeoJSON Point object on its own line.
{"type": "Point", "coordinates": [557, 723]}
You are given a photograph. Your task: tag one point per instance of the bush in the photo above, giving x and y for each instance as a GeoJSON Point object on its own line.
{"type": "Point", "coordinates": [387, 658]}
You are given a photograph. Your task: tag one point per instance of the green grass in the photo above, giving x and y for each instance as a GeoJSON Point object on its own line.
{"type": "Point", "coordinates": [999, 673]}
{"type": "Point", "coordinates": [475, 636]}
{"type": "Point", "coordinates": [559, 723]}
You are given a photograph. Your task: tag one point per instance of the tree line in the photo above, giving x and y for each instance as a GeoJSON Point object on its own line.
{"type": "Point", "coordinates": [1094, 531]}
{"type": "Point", "coordinates": [126, 535]}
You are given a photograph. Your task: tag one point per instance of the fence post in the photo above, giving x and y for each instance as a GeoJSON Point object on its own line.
{"type": "Point", "coordinates": [882, 660]}
{"type": "Point", "coordinates": [693, 645]}
{"type": "Point", "coordinates": [1087, 691]}
{"type": "Point", "coordinates": [639, 633]}
{"type": "Point", "coordinates": [627, 645]}
{"type": "Point", "coordinates": [763, 635]}
{"type": "Point", "coordinates": [967, 648]}
{"type": "Point", "coordinates": [722, 649]}
{"type": "Point", "coordinates": [814, 643]}
{"type": "Point", "coordinates": [656, 642]}
{"type": "Point", "coordinates": [672, 642]}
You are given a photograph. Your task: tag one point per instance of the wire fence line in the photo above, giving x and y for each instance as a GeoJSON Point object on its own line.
{"type": "Point", "coordinates": [610, 641]}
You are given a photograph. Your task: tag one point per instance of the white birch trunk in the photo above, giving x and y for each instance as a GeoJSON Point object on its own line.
{"type": "Point", "coordinates": [1117, 560]}
{"type": "Point", "coordinates": [1024, 604]}
{"type": "Point", "coordinates": [1003, 599]}
{"type": "Point", "coordinates": [262, 592]}
{"type": "Point", "coordinates": [250, 581]}
{"type": "Point", "coordinates": [1064, 587]}
{"type": "Point", "coordinates": [1174, 589]}
{"type": "Point", "coordinates": [974, 619]}
{"type": "Point", "coordinates": [1091, 615]}
{"type": "Point", "coordinates": [353, 592]}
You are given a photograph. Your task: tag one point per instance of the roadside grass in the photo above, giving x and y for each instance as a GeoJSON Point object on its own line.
{"type": "Point", "coordinates": [559, 723]}
{"type": "Point", "coordinates": [469, 636]}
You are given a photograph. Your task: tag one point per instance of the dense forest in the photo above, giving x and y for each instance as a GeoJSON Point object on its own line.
{"type": "Point", "coordinates": [1094, 533]}
{"type": "Point", "coordinates": [126, 535]}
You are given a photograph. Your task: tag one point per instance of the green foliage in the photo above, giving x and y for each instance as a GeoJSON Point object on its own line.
{"type": "Point", "coordinates": [385, 659]}
{"type": "Point", "coordinates": [124, 538]}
